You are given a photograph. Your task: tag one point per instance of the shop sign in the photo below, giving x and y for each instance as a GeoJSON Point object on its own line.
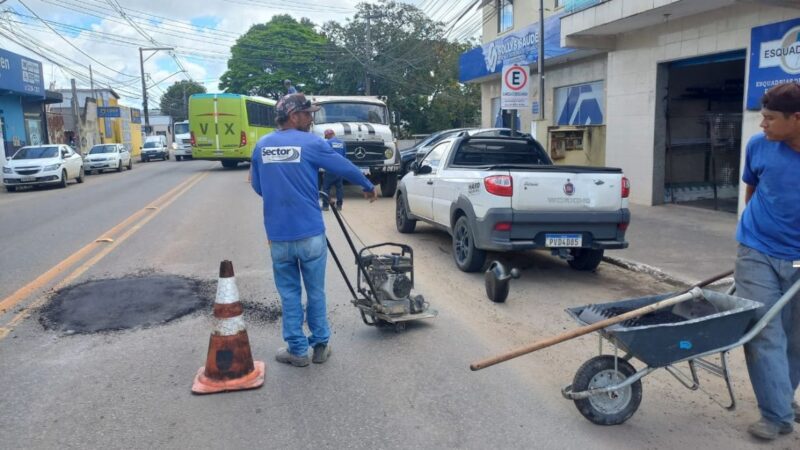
{"type": "Point", "coordinates": [774, 58]}
{"type": "Point", "coordinates": [20, 75]}
{"type": "Point", "coordinates": [136, 116]}
{"type": "Point", "coordinates": [108, 111]}
{"type": "Point", "coordinates": [581, 104]}
{"type": "Point", "coordinates": [520, 47]}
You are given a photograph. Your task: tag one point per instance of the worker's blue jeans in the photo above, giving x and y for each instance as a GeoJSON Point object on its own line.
{"type": "Point", "coordinates": [773, 356]}
{"type": "Point", "coordinates": [290, 261]}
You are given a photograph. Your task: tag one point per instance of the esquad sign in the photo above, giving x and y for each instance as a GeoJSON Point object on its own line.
{"type": "Point", "coordinates": [20, 75]}
{"type": "Point", "coordinates": [774, 58]}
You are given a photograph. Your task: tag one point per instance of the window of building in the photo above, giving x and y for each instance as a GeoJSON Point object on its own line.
{"type": "Point", "coordinates": [505, 15]}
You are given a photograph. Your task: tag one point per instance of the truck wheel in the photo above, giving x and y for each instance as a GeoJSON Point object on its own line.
{"type": "Point", "coordinates": [467, 257]}
{"type": "Point", "coordinates": [229, 164]}
{"type": "Point", "coordinates": [388, 184]}
{"type": "Point", "coordinates": [403, 222]}
{"type": "Point", "coordinates": [585, 258]}
{"type": "Point", "coordinates": [612, 408]}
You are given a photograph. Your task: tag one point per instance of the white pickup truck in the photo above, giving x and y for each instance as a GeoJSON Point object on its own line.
{"type": "Point", "coordinates": [504, 194]}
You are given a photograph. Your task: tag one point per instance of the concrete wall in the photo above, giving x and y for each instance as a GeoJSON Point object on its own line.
{"type": "Point", "coordinates": [631, 82]}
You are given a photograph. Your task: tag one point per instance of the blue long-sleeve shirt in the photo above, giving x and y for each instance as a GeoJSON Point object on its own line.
{"type": "Point", "coordinates": [284, 168]}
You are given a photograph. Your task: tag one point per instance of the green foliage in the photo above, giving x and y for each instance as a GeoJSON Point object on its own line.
{"type": "Point", "coordinates": [408, 61]}
{"type": "Point", "coordinates": [272, 52]}
{"type": "Point", "coordinates": [175, 102]}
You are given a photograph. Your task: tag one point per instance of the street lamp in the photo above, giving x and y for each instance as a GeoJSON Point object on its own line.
{"type": "Point", "coordinates": [144, 84]}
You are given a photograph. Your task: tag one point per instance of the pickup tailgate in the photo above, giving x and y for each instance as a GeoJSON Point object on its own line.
{"type": "Point", "coordinates": [567, 189]}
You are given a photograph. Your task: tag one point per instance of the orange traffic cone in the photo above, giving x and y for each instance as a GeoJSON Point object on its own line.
{"type": "Point", "coordinates": [229, 365]}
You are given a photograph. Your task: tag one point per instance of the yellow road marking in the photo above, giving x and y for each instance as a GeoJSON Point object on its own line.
{"type": "Point", "coordinates": [24, 313]}
{"type": "Point", "coordinates": [37, 284]}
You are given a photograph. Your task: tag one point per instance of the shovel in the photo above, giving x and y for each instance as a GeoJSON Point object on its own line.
{"type": "Point", "coordinates": [692, 293]}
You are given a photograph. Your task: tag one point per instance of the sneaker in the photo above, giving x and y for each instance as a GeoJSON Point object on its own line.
{"type": "Point", "coordinates": [321, 353]}
{"type": "Point", "coordinates": [765, 429]}
{"type": "Point", "coordinates": [796, 407]}
{"type": "Point", "coordinates": [339, 207]}
{"type": "Point", "coordinates": [285, 357]}
{"type": "Point", "coordinates": [325, 207]}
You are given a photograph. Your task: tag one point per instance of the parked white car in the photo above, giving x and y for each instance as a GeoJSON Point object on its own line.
{"type": "Point", "coordinates": [107, 156]}
{"type": "Point", "coordinates": [42, 165]}
{"type": "Point", "coordinates": [498, 193]}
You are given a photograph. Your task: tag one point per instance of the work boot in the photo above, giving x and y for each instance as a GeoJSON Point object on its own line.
{"type": "Point", "coordinates": [321, 353]}
{"type": "Point", "coordinates": [285, 357]}
{"type": "Point", "coordinates": [338, 206]}
{"type": "Point", "coordinates": [796, 408]}
{"type": "Point", "coordinates": [325, 207]}
{"type": "Point", "coordinates": [768, 430]}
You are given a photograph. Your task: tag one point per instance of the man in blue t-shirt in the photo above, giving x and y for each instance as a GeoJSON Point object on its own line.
{"type": "Point", "coordinates": [331, 180]}
{"type": "Point", "coordinates": [284, 169]}
{"type": "Point", "coordinates": [289, 88]}
{"type": "Point", "coordinates": [769, 256]}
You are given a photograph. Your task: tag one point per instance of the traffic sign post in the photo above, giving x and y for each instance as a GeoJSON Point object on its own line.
{"type": "Point", "coordinates": [515, 91]}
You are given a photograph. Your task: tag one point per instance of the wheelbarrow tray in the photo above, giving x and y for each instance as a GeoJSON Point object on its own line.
{"type": "Point", "coordinates": [662, 344]}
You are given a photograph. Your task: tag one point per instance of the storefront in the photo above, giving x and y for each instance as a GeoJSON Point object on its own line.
{"type": "Point", "coordinates": [670, 87]}
{"type": "Point", "coordinates": [22, 95]}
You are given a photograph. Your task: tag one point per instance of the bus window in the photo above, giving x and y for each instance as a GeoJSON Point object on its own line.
{"type": "Point", "coordinates": [260, 115]}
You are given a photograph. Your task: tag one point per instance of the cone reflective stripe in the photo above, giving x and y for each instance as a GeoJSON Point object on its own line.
{"type": "Point", "coordinates": [229, 364]}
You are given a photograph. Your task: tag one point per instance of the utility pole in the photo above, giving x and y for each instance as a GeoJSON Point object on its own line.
{"type": "Point", "coordinates": [368, 60]}
{"type": "Point", "coordinates": [76, 117]}
{"type": "Point", "coordinates": [91, 84]}
{"type": "Point", "coordinates": [144, 82]}
{"type": "Point", "coordinates": [541, 60]}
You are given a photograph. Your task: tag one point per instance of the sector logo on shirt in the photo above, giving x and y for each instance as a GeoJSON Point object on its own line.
{"type": "Point", "coordinates": [337, 145]}
{"type": "Point", "coordinates": [280, 154]}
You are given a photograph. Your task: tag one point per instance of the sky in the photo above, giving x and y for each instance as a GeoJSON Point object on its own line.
{"type": "Point", "coordinates": [68, 36]}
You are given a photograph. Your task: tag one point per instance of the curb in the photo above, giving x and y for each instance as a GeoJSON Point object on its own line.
{"type": "Point", "coordinates": [658, 274]}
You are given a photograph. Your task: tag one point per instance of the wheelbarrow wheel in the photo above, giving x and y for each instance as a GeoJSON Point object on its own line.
{"type": "Point", "coordinates": [611, 408]}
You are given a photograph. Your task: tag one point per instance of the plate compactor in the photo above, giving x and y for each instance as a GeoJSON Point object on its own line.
{"type": "Point", "coordinates": [384, 286]}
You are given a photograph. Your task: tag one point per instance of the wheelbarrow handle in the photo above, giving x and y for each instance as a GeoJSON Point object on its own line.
{"type": "Point", "coordinates": [694, 293]}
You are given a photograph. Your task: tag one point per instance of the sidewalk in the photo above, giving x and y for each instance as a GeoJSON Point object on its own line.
{"type": "Point", "coordinates": [678, 242]}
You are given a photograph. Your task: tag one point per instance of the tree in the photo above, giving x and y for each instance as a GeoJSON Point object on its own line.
{"type": "Point", "coordinates": [269, 53]}
{"type": "Point", "coordinates": [407, 59]}
{"type": "Point", "coordinates": [175, 102]}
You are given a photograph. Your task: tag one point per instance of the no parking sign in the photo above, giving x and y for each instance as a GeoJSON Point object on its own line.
{"type": "Point", "coordinates": [515, 87]}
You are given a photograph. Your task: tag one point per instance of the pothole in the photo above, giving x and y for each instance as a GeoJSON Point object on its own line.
{"type": "Point", "coordinates": [123, 303]}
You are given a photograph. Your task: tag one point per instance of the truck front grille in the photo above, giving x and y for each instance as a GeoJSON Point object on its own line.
{"type": "Point", "coordinates": [366, 153]}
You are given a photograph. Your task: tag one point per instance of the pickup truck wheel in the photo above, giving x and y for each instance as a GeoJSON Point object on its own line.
{"type": "Point", "coordinates": [467, 257]}
{"type": "Point", "coordinates": [585, 258]}
{"type": "Point", "coordinates": [403, 222]}
{"type": "Point", "coordinates": [388, 185]}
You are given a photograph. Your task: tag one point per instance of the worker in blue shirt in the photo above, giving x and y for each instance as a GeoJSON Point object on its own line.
{"type": "Point", "coordinates": [768, 258]}
{"type": "Point", "coordinates": [290, 89]}
{"type": "Point", "coordinates": [284, 169]}
{"type": "Point", "coordinates": [330, 179]}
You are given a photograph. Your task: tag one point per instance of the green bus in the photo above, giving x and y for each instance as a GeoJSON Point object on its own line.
{"type": "Point", "coordinates": [225, 127]}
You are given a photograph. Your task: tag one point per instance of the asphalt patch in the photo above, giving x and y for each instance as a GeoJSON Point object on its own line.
{"type": "Point", "coordinates": [124, 303]}
{"type": "Point", "coordinates": [259, 313]}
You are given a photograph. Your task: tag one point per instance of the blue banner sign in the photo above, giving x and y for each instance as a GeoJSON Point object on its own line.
{"type": "Point", "coordinates": [520, 47]}
{"type": "Point", "coordinates": [108, 111]}
{"type": "Point", "coordinates": [581, 104]}
{"type": "Point", "coordinates": [20, 75]}
{"type": "Point", "coordinates": [136, 116]}
{"type": "Point", "coordinates": [774, 58]}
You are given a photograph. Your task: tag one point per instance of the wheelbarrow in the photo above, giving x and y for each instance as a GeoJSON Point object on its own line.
{"type": "Point", "coordinates": [607, 389]}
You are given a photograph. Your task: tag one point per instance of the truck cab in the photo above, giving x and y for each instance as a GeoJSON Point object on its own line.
{"type": "Point", "coordinates": [182, 146]}
{"type": "Point", "coordinates": [362, 123]}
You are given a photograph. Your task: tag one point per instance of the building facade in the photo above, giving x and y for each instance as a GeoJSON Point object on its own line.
{"type": "Point", "coordinates": [22, 101]}
{"type": "Point", "coordinates": [665, 89]}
